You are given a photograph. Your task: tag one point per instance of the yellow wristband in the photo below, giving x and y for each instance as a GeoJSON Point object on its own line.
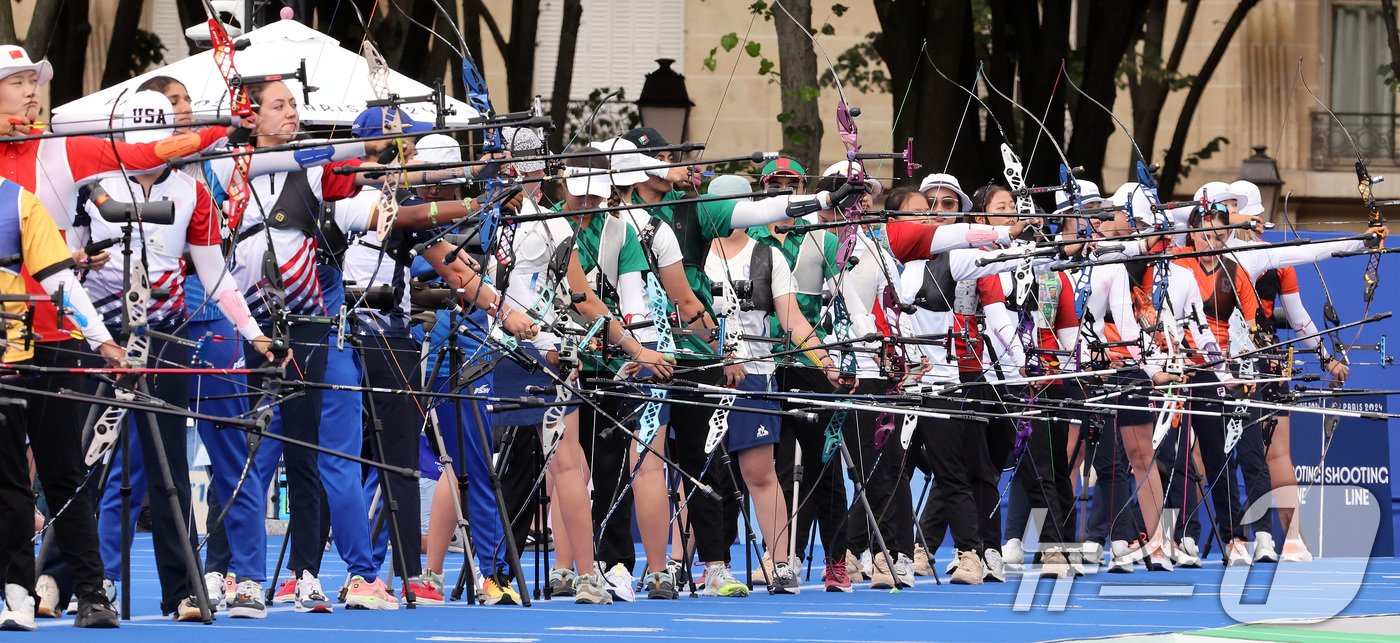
{"type": "Point", "coordinates": [432, 214]}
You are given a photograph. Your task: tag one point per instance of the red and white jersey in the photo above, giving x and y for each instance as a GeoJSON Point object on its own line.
{"type": "Point", "coordinates": [162, 247]}
{"type": "Point", "coordinates": [273, 200]}
{"type": "Point", "coordinates": [54, 168]}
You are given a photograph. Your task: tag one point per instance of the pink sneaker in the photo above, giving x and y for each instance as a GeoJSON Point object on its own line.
{"type": "Point", "coordinates": [364, 595]}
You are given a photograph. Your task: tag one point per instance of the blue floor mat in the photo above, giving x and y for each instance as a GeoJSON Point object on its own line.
{"type": "Point", "coordinates": [1098, 605]}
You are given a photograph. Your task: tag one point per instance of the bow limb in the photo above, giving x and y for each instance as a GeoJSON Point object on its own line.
{"type": "Point", "coordinates": [1329, 310]}
{"type": "Point", "coordinates": [387, 210]}
{"type": "Point", "coordinates": [1374, 219]}
{"type": "Point", "coordinates": [240, 105]}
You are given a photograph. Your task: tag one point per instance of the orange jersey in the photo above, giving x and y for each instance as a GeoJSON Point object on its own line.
{"type": "Point", "coordinates": [1274, 283]}
{"type": "Point", "coordinates": [1224, 288]}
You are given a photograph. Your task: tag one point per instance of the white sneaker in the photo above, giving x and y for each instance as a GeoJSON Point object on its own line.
{"type": "Point", "coordinates": [621, 584]}
{"type": "Point", "coordinates": [1296, 551]}
{"type": "Point", "coordinates": [996, 567]}
{"type": "Point", "coordinates": [246, 601]}
{"type": "Point", "coordinates": [903, 571]}
{"type": "Point", "coordinates": [1013, 553]}
{"type": "Point", "coordinates": [214, 587]}
{"type": "Point", "coordinates": [47, 590]}
{"type": "Point", "coordinates": [867, 564]}
{"type": "Point", "coordinates": [1187, 554]}
{"type": "Point", "coordinates": [1088, 559]}
{"type": "Point", "coordinates": [1091, 554]}
{"type": "Point", "coordinates": [18, 615]}
{"type": "Point", "coordinates": [310, 597]}
{"type": "Point", "coordinates": [109, 588]}
{"type": "Point", "coordinates": [1239, 554]}
{"type": "Point", "coordinates": [1264, 551]}
{"type": "Point", "coordinates": [1121, 559]}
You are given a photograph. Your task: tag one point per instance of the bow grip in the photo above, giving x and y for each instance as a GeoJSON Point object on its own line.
{"type": "Point", "coordinates": [279, 349]}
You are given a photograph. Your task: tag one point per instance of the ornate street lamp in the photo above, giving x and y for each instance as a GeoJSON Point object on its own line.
{"type": "Point", "coordinates": [665, 104]}
{"type": "Point", "coordinates": [1262, 170]}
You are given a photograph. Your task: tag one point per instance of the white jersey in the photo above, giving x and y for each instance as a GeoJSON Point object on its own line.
{"type": "Point", "coordinates": [738, 267]}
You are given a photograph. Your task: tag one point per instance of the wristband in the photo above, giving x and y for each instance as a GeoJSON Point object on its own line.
{"type": "Point", "coordinates": [432, 214]}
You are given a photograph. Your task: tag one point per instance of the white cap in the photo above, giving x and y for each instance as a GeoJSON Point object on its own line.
{"type": "Point", "coordinates": [523, 141]}
{"type": "Point", "coordinates": [729, 185]}
{"type": "Point", "coordinates": [628, 169]}
{"type": "Point", "coordinates": [843, 168]}
{"type": "Point", "coordinates": [1251, 202]}
{"type": "Point", "coordinates": [1089, 196]}
{"type": "Point", "coordinates": [1132, 195]}
{"type": "Point", "coordinates": [148, 109]}
{"type": "Point", "coordinates": [440, 148]}
{"type": "Point", "coordinates": [947, 181]}
{"type": "Point", "coordinates": [14, 59]}
{"type": "Point", "coordinates": [593, 182]}
{"type": "Point", "coordinates": [1217, 191]}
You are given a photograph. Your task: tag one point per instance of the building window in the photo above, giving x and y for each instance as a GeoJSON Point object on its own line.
{"type": "Point", "coordinates": [618, 44]}
{"type": "Point", "coordinates": [1363, 102]}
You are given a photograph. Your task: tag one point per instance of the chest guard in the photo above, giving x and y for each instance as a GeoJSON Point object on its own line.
{"type": "Point", "coordinates": [808, 271]}
{"type": "Point", "coordinates": [296, 208]}
{"type": "Point", "coordinates": [938, 289]}
{"type": "Point", "coordinates": [685, 220]}
{"type": "Point", "coordinates": [761, 278]}
{"type": "Point", "coordinates": [1047, 295]}
{"type": "Point", "coordinates": [610, 243]}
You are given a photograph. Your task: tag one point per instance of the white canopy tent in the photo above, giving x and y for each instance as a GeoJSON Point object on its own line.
{"type": "Point", "coordinates": [340, 76]}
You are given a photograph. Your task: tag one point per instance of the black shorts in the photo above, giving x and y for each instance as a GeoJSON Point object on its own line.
{"type": "Point", "coordinates": [1136, 385]}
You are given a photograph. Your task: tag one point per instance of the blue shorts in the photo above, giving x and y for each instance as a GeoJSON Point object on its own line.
{"type": "Point", "coordinates": [749, 430]}
{"type": "Point", "coordinates": [510, 381]}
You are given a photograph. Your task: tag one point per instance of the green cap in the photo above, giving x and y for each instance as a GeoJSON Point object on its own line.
{"type": "Point", "coordinates": [783, 165]}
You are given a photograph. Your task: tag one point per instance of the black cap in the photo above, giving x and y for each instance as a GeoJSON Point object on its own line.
{"type": "Point", "coordinates": [646, 137]}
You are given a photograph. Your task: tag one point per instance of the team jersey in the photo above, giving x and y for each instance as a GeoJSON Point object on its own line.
{"type": "Point", "coordinates": [54, 168]}
{"type": "Point", "coordinates": [1273, 284]}
{"type": "Point", "coordinates": [160, 247]}
{"type": "Point", "coordinates": [1051, 313]}
{"type": "Point", "coordinates": [368, 263]}
{"type": "Point", "coordinates": [283, 209]}
{"type": "Point", "coordinates": [739, 266]}
{"type": "Point", "coordinates": [712, 221]}
{"type": "Point", "coordinates": [811, 257]}
{"type": "Point", "coordinates": [26, 230]}
{"type": "Point", "coordinates": [1224, 288]}
{"type": "Point", "coordinates": [608, 248]}
{"type": "Point", "coordinates": [532, 254]}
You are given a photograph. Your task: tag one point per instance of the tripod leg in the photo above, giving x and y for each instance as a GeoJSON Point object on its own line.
{"type": "Point", "coordinates": [797, 472]}
{"type": "Point", "coordinates": [508, 438]}
{"type": "Point", "coordinates": [161, 467]}
{"type": "Point", "coordinates": [512, 553]}
{"type": "Point", "coordinates": [127, 534]}
{"type": "Point", "coordinates": [395, 538]}
{"type": "Point", "coordinates": [864, 500]}
{"type": "Point", "coordinates": [281, 557]}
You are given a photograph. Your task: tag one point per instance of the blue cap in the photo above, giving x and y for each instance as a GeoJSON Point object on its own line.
{"type": "Point", "coordinates": [371, 123]}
